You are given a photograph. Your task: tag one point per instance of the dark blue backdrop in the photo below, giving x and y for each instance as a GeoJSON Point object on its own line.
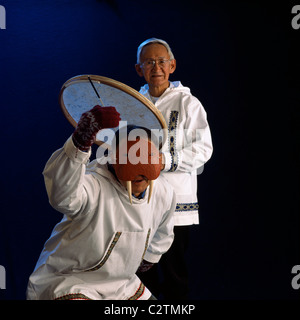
{"type": "Point", "coordinates": [237, 59]}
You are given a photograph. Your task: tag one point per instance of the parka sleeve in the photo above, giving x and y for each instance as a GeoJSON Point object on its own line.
{"type": "Point", "coordinates": [164, 236]}
{"type": "Point", "coordinates": [190, 143]}
{"type": "Point", "coordinates": [67, 185]}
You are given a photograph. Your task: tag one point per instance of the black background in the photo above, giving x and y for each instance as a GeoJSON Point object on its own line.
{"type": "Point", "coordinates": [240, 59]}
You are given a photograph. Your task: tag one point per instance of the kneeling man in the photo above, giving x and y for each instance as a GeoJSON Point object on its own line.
{"type": "Point", "coordinates": [111, 227]}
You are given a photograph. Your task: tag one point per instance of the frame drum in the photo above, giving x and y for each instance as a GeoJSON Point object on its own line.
{"type": "Point", "coordinates": [80, 94]}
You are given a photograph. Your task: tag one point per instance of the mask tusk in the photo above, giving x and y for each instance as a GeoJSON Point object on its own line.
{"type": "Point", "coordinates": [150, 190]}
{"type": "Point", "coordinates": [128, 186]}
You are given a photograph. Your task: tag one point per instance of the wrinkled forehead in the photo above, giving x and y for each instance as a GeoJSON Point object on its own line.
{"type": "Point", "coordinates": [154, 50]}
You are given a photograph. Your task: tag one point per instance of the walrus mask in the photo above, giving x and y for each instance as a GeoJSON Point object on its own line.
{"type": "Point", "coordinates": [137, 158]}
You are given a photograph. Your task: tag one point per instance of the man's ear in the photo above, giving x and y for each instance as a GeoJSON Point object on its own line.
{"type": "Point", "coordinates": [172, 66]}
{"type": "Point", "coordinates": [139, 70]}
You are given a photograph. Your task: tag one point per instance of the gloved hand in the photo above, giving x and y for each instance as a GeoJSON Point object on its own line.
{"type": "Point", "coordinates": [145, 266]}
{"type": "Point", "coordinates": [91, 122]}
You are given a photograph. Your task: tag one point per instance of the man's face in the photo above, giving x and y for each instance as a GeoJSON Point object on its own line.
{"type": "Point", "coordinates": [138, 185]}
{"type": "Point", "coordinates": [156, 76]}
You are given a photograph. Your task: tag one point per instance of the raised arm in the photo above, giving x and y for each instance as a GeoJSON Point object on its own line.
{"type": "Point", "coordinates": [67, 184]}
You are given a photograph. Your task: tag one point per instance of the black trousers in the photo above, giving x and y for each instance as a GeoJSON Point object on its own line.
{"type": "Point", "coordinates": [169, 278]}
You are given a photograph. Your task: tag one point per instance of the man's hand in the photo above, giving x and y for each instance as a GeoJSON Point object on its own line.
{"type": "Point", "coordinates": [91, 122]}
{"type": "Point", "coordinates": [145, 266]}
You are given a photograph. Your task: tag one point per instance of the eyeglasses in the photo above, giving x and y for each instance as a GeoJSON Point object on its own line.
{"type": "Point", "coordinates": [149, 64]}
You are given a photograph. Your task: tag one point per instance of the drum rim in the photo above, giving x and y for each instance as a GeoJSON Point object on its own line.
{"type": "Point", "coordinates": [113, 83]}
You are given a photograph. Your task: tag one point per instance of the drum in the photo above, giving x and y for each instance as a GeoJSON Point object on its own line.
{"type": "Point", "coordinates": [81, 93]}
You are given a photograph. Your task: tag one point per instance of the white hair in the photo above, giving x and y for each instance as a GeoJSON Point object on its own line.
{"type": "Point", "coordinates": [153, 40]}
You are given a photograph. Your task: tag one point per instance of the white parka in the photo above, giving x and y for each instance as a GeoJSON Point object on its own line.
{"type": "Point", "coordinates": [188, 147]}
{"type": "Point", "coordinates": [95, 251]}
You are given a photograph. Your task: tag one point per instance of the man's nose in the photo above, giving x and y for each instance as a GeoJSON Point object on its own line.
{"type": "Point", "coordinates": [156, 65]}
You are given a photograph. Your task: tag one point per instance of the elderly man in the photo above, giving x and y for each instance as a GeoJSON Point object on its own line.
{"type": "Point", "coordinates": [188, 148]}
{"type": "Point", "coordinates": [110, 224]}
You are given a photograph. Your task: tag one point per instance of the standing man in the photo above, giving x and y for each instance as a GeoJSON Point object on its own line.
{"type": "Point", "coordinates": [188, 148]}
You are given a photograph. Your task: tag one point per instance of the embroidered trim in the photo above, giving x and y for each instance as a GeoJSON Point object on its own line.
{"type": "Point", "coordinates": [73, 296]}
{"type": "Point", "coordinates": [172, 140]}
{"type": "Point", "coordinates": [139, 292]}
{"type": "Point", "coordinates": [146, 244]}
{"type": "Point", "coordinates": [187, 207]}
{"type": "Point", "coordinates": [109, 251]}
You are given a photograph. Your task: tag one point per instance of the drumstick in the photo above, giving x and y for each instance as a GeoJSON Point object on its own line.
{"type": "Point", "coordinates": [91, 82]}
